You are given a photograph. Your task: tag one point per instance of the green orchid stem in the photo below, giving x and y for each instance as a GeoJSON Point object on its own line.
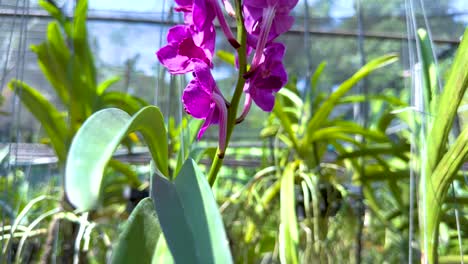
{"type": "Point", "coordinates": [232, 111]}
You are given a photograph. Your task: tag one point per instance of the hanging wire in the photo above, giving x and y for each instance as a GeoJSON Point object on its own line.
{"type": "Point", "coordinates": [414, 148]}
{"type": "Point", "coordinates": [429, 34]}
{"type": "Point", "coordinates": [307, 44]}
{"type": "Point", "coordinates": [182, 83]}
{"type": "Point", "coordinates": [159, 72]}
{"type": "Point", "coordinates": [457, 221]}
{"type": "Point", "coordinates": [15, 133]}
{"type": "Point", "coordinates": [361, 115]}
{"type": "Point", "coordinates": [3, 82]}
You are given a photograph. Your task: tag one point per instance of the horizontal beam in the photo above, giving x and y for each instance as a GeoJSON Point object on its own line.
{"type": "Point", "coordinates": [151, 18]}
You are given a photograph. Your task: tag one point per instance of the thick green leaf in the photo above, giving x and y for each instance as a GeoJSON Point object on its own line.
{"type": "Point", "coordinates": [138, 241]}
{"type": "Point", "coordinates": [189, 217]}
{"type": "Point", "coordinates": [288, 231]}
{"type": "Point", "coordinates": [450, 99]}
{"type": "Point", "coordinates": [50, 118]}
{"type": "Point", "coordinates": [326, 108]}
{"type": "Point", "coordinates": [449, 165]}
{"type": "Point", "coordinates": [95, 143]}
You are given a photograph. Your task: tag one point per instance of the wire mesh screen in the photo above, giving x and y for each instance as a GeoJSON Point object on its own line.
{"type": "Point", "coordinates": [124, 36]}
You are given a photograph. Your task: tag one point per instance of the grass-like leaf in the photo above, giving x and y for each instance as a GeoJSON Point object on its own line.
{"type": "Point", "coordinates": [51, 119]}
{"type": "Point", "coordinates": [326, 108]}
{"type": "Point", "coordinates": [289, 234]}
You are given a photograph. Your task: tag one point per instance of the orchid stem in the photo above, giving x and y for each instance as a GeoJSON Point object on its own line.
{"type": "Point", "coordinates": [232, 111]}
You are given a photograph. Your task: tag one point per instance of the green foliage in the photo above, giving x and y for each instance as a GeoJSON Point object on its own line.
{"type": "Point", "coordinates": [189, 217]}
{"type": "Point", "coordinates": [288, 230]}
{"type": "Point", "coordinates": [52, 120]}
{"type": "Point", "coordinates": [93, 147]}
{"type": "Point", "coordinates": [139, 238]}
{"type": "Point", "coordinates": [186, 209]}
{"type": "Point", "coordinates": [441, 159]}
{"type": "Point", "coordinates": [303, 170]}
{"type": "Point", "coordinates": [67, 63]}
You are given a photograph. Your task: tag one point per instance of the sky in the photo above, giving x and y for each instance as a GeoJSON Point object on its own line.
{"type": "Point", "coordinates": [128, 5]}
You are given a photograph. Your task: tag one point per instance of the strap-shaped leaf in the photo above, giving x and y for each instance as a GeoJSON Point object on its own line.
{"type": "Point", "coordinates": [326, 108]}
{"type": "Point", "coordinates": [448, 103]}
{"type": "Point", "coordinates": [51, 119]}
{"type": "Point", "coordinates": [56, 13]}
{"type": "Point", "coordinates": [190, 218]}
{"type": "Point", "coordinates": [278, 110]}
{"type": "Point", "coordinates": [80, 42]}
{"type": "Point", "coordinates": [95, 143]}
{"type": "Point", "coordinates": [330, 132]}
{"type": "Point", "coordinates": [358, 98]}
{"type": "Point", "coordinates": [449, 165]}
{"type": "Point", "coordinates": [429, 71]}
{"type": "Point", "coordinates": [106, 84]}
{"type": "Point", "coordinates": [53, 59]}
{"type": "Point", "coordinates": [138, 240]}
{"type": "Point", "coordinates": [288, 231]}
{"type": "Point", "coordinates": [129, 103]}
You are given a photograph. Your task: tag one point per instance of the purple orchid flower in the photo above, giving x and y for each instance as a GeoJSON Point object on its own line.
{"type": "Point", "coordinates": [202, 99]}
{"type": "Point", "coordinates": [265, 20]}
{"type": "Point", "coordinates": [266, 79]}
{"type": "Point", "coordinates": [201, 13]}
{"type": "Point", "coordinates": [259, 13]}
{"type": "Point", "coordinates": [185, 44]}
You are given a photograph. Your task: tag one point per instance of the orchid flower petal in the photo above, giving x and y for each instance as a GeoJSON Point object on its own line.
{"type": "Point", "coordinates": [221, 106]}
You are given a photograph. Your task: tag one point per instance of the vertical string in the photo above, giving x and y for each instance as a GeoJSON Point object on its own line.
{"type": "Point", "coordinates": [159, 72]}
{"type": "Point", "coordinates": [361, 115]}
{"type": "Point", "coordinates": [182, 83]}
{"type": "Point", "coordinates": [3, 82]}
{"type": "Point", "coordinates": [414, 147]}
{"type": "Point", "coordinates": [307, 44]}
{"type": "Point", "coordinates": [15, 133]}
{"type": "Point", "coordinates": [457, 221]}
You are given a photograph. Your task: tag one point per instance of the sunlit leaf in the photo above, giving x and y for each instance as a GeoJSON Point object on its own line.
{"type": "Point", "coordinates": [97, 140]}
{"type": "Point", "coordinates": [50, 118]}
{"type": "Point", "coordinates": [288, 231]}
{"type": "Point", "coordinates": [326, 108]}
